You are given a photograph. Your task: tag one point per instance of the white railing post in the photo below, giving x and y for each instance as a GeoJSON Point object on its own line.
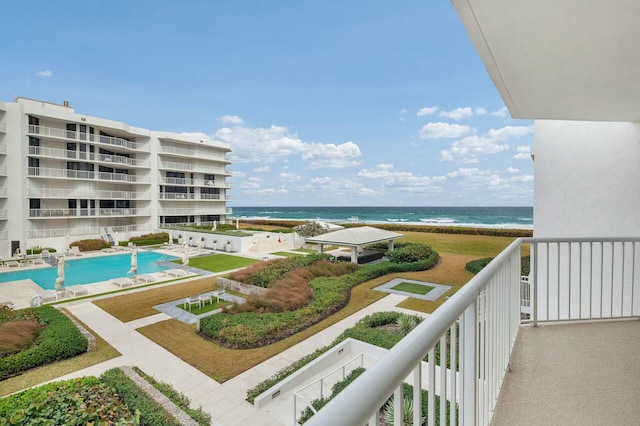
{"type": "Point", "coordinates": [533, 261]}
{"type": "Point", "coordinates": [397, 406]}
{"type": "Point", "coordinates": [469, 367]}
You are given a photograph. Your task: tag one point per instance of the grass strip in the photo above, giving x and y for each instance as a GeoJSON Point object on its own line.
{"type": "Point", "coordinates": [414, 288]}
{"type": "Point", "coordinates": [219, 262]}
{"type": "Point", "coordinates": [286, 254]}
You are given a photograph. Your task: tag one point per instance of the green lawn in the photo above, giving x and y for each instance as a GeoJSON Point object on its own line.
{"type": "Point", "coordinates": [286, 254]}
{"type": "Point", "coordinates": [305, 250]}
{"type": "Point", "coordinates": [413, 288]}
{"type": "Point", "coordinates": [219, 262]}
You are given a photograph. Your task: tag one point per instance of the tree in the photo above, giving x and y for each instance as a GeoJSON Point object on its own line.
{"type": "Point", "coordinates": [311, 229]}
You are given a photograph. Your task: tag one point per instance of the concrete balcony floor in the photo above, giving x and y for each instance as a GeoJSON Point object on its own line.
{"type": "Point", "coordinates": [573, 374]}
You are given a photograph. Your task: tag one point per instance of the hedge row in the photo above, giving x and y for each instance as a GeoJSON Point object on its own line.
{"type": "Point", "coordinates": [60, 339]}
{"type": "Point", "coordinates": [409, 253]}
{"type": "Point", "coordinates": [477, 265]}
{"type": "Point", "coordinates": [148, 239]}
{"type": "Point", "coordinates": [71, 402]}
{"type": "Point", "coordinates": [398, 227]}
{"type": "Point", "coordinates": [276, 269]}
{"type": "Point", "coordinates": [139, 401]}
{"type": "Point", "coordinates": [250, 330]}
{"type": "Point", "coordinates": [90, 245]}
{"type": "Point", "coordinates": [181, 400]}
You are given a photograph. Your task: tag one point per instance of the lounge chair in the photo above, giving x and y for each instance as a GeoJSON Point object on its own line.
{"type": "Point", "coordinates": [175, 272]}
{"type": "Point", "coordinates": [37, 261]}
{"type": "Point", "coordinates": [192, 300]}
{"type": "Point", "coordinates": [12, 263]}
{"type": "Point", "coordinates": [45, 253]}
{"type": "Point", "coordinates": [146, 278]}
{"type": "Point", "coordinates": [77, 290]}
{"type": "Point", "coordinates": [76, 251]}
{"type": "Point", "coordinates": [218, 294]}
{"type": "Point", "coordinates": [122, 282]}
{"type": "Point", "coordinates": [46, 295]}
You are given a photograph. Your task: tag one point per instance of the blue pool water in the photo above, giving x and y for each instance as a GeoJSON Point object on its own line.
{"type": "Point", "coordinates": [89, 270]}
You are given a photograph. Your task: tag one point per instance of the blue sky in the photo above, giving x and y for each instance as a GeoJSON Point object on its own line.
{"type": "Point", "coordinates": [324, 103]}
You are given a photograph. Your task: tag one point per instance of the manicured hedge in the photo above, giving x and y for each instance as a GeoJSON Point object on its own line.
{"type": "Point", "coordinates": [90, 245]}
{"type": "Point", "coordinates": [38, 250]}
{"type": "Point", "coordinates": [71, 402]}
{"type": "Point", "coordinates": [249, 330]}
{"type": "Point", "coordinates": [477, 265]}
{"type": "Point", "coordinates": [276, 269]}
{"type": "Point", "coordinates": [151, 413]}
{"type": "Point", "coordinates": [148, 239]}
{"type": "Point", "coordinates": [409, 253]}
{"type": "Point", "coordinates": [181, 400]}
{"type": "Point", "coordinates": [60, 339]}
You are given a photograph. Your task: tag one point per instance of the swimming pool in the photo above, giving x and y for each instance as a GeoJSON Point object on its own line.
{"type": "Point", "coordinates": [89, 270]}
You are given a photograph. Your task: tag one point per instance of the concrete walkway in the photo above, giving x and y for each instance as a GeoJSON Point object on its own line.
{"type": "Point", "coordinates": [225, 402]}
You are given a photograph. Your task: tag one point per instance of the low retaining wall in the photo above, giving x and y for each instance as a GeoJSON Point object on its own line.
{"type": "Point", "coordinates": [243, 288]}
{"type": "Point", "coordinates": [91, 340]}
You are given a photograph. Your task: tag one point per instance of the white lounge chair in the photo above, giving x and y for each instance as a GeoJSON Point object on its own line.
{"type": "Point", "coordinates": [175, 273]}
{"type": "Point", "coordinates": [37, 261]}
{"type": "Point", "coordinates": [122, 282]}
{"type": "Point", "coordinates": [76, 251]}
{"type": "Point", "coordinates": [12, 264]}
{"type": "Point", "coordinates": [193, 300]}
{"type": "Point", "coordinates": [47, 295]}
{"type": "Point", "coordinates": [146, 278]}
{"type": "Point", "coordinates": [77, 290]}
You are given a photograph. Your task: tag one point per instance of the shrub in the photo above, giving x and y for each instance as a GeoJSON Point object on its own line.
{"type": "Point", "coordinates": [150, 239]}
{"type": "Point", "coordinates": [409, 253]}
{"type": "Point", "coordinates": [263, 274]}
{"type": "Point", "coordinates": [69, 402]}
{"type": "Point", "coordinates": [151, 413]}
{"type": "Point", "coordinates": [38, 250]}
{"type": "Point", "coordinates": [477, 265]}
{"type": "Point", "coordinates": [250, 330]}
{"type": "Point", "coordinates": [59, 339]}
{"type": "Point", "coordinates": [90, 245]}
{"type": "Point", "coordinates": [17, 335]}
{"type": "Point", "coordinates": [181, 400]}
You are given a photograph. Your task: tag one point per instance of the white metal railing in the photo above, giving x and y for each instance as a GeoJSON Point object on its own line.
{"type": "Point", "coordinates": [571, 279]}
{"type": "Point", "coordinates": [316, 389]}
{"type": "Point", "coordinates": [80, 136]}
{"type": "Point", "coordinates": [217, 183]}
{"type": "Point", "coordinates": [474, 330]}
{"type": "Point", "coordinates": [191, 211]}
{"type": "Point", "coordinates": [3, 126]}
{"type": "Point", "coordinates": [3, 148]}
{"type": "Point", "coordinates": [75, 193]}
{"type": "Point", "coordinates": [49, 152]}
{"type": "Point", "coordinates": [61, 232]}
{"type": "Point", "coordinates": [585, 279]}
{"type": "Point", "coordinates": [84, 174]}
{"type": "Point", "coordinates": [176, 196]}
{"type": "Point", "coordinates": [55, 213]}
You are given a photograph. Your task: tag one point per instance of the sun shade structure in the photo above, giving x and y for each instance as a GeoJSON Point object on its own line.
{"type": "Point", "coordinates": [355, 238]}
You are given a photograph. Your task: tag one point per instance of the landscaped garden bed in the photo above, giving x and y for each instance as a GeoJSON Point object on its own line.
{"type": "Point", "coordinates": [33, 337]}
{"type": "Point", "coordinates": [271, 320]}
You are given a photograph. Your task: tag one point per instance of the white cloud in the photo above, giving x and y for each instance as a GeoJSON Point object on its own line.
{"type": "Point", "coordinates": [332, 156]}
{"type": "Point", "coordinates": [502, 112]}
{"type": "Point", "coordinates": [289, 177]}
{"type": "Point", "coordinates": [263, 169]}
{"type": "Point", "coordinates": [524, 153]}
{"type": "Point", "coordinates": [457, 114]}
{"type": "Point", "coordinates": [493, 142]}
{"type": "Point", "coordinates": [512, 187]}
{"type": "Point", "coordinates": [402, 181]}
{"type": "Point", "coordinates": [444, 130]}
{"type": "Point", "coordinates": [427, 111]}
{"type": "Point", "coordinates": [402, 113]}
{"type": "Point", "coordinates": [236, 173]}
{"type": "Point", "coordinates": [268, 144]}
{"type": "Point", "coordinates": [480, 111]}
{"type": "Point", "coordinates": [45, 73]}
{"type": "Point", "coordinates": [346, 188]}
{"type": "Point", "coordinates": [512, 170]}
{"type": "Point", "coordinates": [231, 119]}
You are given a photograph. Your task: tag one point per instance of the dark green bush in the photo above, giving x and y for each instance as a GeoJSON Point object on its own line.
{"type": "Point", "coordinates": [71, 402]}
{"type": "Point", "coordinates": [38, 250]}
{"type": "Point", "coordinates": [250, 330]}
{"type": "Point", "coordinates": [90, 245]}
{"type": "Point", "coordinates": [151, 413]}
{"type": "Point", "coordinates": [477, 265]}
{"type": "Point", "coordinates": [60, 339]}
{"type": "Point", "coordinates": [181, 400]}
{"type": "Point", "coordinates": [149, 239]}
{"type": "Point", "coordinates": [409, 253]}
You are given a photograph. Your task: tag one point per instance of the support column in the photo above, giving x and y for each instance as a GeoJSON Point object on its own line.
{"type": "Point", "coordinates": [354, 255]}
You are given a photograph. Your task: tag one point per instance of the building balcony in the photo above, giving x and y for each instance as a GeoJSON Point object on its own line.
{"type": "Point", "coordinates": [53, 193]}
{"type": "Point", "coordinates": [560, 347]}
{"type": "Point", "coordinates": [3, 192]}
{"type": "Point", "coordinates": [192, 211]}
{"type": "Point", "coordinates": [3, 148]}
{"type": "Point", "coordinates": [3, 214]}
{"type": "Point", "coordinates": [197, 167]}
{"type": "Point", "coordinates": [183, 196]}
{"type": "Point", "coordinates": [44, 172]}
{"type": "Point", "coordinates": [51, 132]}
{"type": "Point", "coordinates": [106, 159]}
{"type": "Point", "coordinates": [3, 127]}
{"type": "Point", "coordinates": [95, 212]}
{"type": "Point", "coordinates": [192, 153]}
{"type": "Point", "coordinates": [172, 181]}
{"type": "Point", "coordinates": [83, 231]}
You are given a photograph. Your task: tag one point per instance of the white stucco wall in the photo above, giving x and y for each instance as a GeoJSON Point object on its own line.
{"type": "Point", "coordinates": [587, 179]}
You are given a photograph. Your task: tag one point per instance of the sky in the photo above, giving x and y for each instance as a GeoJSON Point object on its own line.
{"type": "Point", "coordinates": [332, 103]}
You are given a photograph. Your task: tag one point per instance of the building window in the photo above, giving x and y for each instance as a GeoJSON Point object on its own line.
{"type": "Point", "coordinates": [34, 203]}
{"type": "Point", "coordinates": [34, 141]}
{"type": "Point", "coordinates": [73, 204]}
{"type": "Point", "coordinates": [71, 130]}
{"type": "Point", "coordinates": [34, 121]}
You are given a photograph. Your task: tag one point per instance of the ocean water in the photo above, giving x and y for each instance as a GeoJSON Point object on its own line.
{"type": "Point", "coordinates": [476, 217]}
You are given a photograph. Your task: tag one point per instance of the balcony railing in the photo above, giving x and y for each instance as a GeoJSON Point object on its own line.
{"type": "Point", "coordinates": [571, 279]}
{"type": "Point", "coordinates": [57, 213]}
{"type": "Point", "coordinates": [181, 196]}
{"type": "Point", "coordinates": [192, 153]}
{"type": "Point", "coordinates": [75, 193]}
{"type": "Point", "coordinates": [62, 232]}
{"type": "Point", "coordinates": [3, 127]}
{"type": "Point", "coordinates": [84, 174]}
{"type": "Point", "coordinates": [191, 211]}
{"type": "Point", "coordinates": [48, 152]}
{"type": "Point", "coordinates": [218, 183]}
{"type": "Point", "coordinates": [84, 137]}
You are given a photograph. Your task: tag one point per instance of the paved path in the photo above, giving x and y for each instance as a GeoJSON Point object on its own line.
{"type": "Point", "coordinates": [225, 402]}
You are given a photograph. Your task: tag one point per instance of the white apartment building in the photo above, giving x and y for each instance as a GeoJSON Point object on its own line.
{"type": "Point", "coordinates": [66, 176]}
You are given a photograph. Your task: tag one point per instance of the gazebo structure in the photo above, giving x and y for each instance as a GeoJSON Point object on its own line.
{"type": "Point", "coordinates": [355, 238]}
